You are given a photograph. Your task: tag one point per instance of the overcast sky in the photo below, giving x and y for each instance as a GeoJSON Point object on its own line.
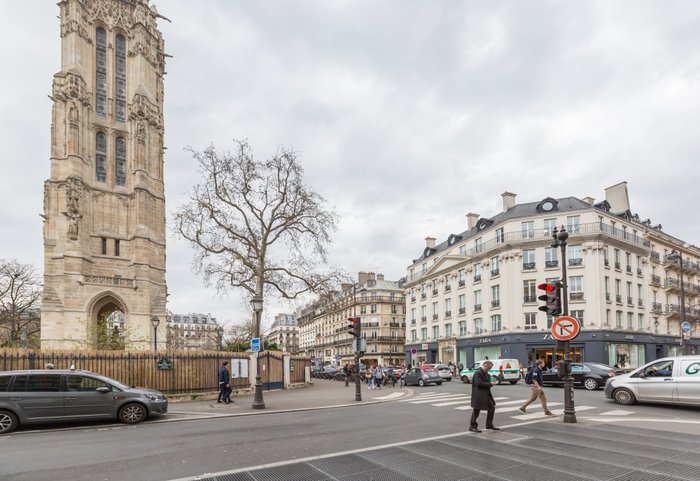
{"type": "Point", "coordinates": [407, 114]}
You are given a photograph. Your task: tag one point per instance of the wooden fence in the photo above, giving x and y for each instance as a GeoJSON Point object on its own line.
{"type": "Point", "coordinates": [173, 372]}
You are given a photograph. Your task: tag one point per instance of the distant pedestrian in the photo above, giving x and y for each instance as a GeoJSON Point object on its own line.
{"type": "Point", "coordinates": [482, 398]}
{"type": "Point", "coordinates": [460, 368]}
{"type": "Point", "coordinates": [534, 380]}
{"type": "Point", "coordinates": [378, 377]}
{"type": "Point", "coordinates": [224, 384]}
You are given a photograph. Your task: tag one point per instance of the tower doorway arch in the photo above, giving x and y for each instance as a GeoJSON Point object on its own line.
{"type": "Point", "coordinates": [108, 326]}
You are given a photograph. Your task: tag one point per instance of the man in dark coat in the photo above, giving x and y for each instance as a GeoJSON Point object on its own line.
{"type": "Point", "coordinates": [482, 398]}
{"type": "Point", "coordinates": [224, 384]}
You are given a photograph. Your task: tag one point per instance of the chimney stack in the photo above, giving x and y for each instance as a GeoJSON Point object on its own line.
{"type": "Point", "coordinates": [471, 219]}
{"type": "Point", "coordinates": [589, 200]}
{"type": "Point", "coordinates": [362, 278]}
{"type": "Point", "coordinates": [430, 242]}
{"type": "Point", "coordinates": [380, 277]}
{"type": "Point", "coordinates": [508, 200]}
{"type": "Point", "coordinates": [618, 198]}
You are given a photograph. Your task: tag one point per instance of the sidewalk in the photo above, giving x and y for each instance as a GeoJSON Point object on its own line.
{"type": "Point", "coordinates": [322, 394]}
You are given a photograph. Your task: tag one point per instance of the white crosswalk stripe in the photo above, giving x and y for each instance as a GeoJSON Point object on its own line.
{"type": "Point", "coordinates": [558, 412]}
{"type": "Point", "coordinates": [498, 408]}
{"type": "Point", "coordinates": [441, 398]}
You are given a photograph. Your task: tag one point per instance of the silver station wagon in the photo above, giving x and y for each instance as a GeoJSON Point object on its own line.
{"type": "Point", "coordinates": [46, 396]}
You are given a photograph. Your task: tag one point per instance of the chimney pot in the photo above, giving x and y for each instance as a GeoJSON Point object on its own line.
{"type": "Point", "coordinates": [471, 219]}
{"type": "Point", "coordinates": [430, 242]}
{"type": "Point", "coordinates": [508, 200]}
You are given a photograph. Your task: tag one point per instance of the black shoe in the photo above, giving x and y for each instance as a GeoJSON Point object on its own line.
{"type": "Point", "coordinates": [493, 428]}
{"type": "Point", "coordinates": [219, 402]}
{"type": "Point", "coordinates": [475, 430]}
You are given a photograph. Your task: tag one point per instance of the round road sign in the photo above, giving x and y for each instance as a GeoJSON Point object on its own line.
{"type": "Point", "coordinates": [565, 328]}
{"type": "Point", "coordinates": [685, 326]}
{"type": "Point", "coordinates": [414, 351]}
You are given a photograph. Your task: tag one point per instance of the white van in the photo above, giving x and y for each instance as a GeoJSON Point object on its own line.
{"type": "Point", "coordinates": [509, 368]}
{"type": "Point", "coordinates": [672, 380]}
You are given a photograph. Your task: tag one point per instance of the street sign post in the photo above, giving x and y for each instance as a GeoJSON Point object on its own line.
{"type": "Point", "coordinates": [255, 344]}
{"type": "Point", "coordinates": [685, 326]}
{"type": "Point", "coordinates": [565, 328]}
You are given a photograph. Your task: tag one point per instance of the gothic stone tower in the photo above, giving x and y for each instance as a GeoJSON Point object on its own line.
{"type": "Point", "coordinates": [104, 204]}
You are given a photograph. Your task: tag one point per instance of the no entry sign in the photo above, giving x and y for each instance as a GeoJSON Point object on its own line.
{"type": "Point", "coordinates": [565, 328]}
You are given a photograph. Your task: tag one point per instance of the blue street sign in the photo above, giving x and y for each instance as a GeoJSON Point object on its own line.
{"type": "Point", "coordinates": [685, 326]}
{"type": "Point", "coordinates": [255, 344]}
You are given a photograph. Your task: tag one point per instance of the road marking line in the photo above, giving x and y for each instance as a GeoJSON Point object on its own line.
{"type": "Point", "coordinates": [617, 412]}
{"type": "Point", "coordinates": [426, 396]}
{"type": "Point", "coordinates": [467, 408]}
{"type": "Point", "coordinates": [557, 412]}
{"type": "Point", "coordinates": [646, 420]}
{"type": "Point", "coordinates": [452, 403]}
{"type": "Point", "coordinates": [391, 396]}
{"type": "Point", "coordinates": [441, 398]}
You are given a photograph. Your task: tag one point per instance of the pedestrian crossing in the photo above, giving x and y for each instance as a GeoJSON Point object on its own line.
{"type": "Point", "coordinates": [460, 402]}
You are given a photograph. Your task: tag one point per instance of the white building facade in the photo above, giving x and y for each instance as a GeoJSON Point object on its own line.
{"type": "Point", "coordinates": [475, 294]}
{"type": "Point", "coordinates": [284, 333]}
{"type": "Point", "coordinates": [193, 332]}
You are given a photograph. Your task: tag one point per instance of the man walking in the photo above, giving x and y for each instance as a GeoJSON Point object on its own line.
{"type": "Point", "coordinates": [224, 384]}
{"type": "Point", "coordinates": [482, 398]}
{"type": "Point", "coordinates": [534, 380]}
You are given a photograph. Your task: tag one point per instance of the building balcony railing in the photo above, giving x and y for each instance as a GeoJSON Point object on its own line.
{"type": "Point", "coordinates": [435, 292]}
{"type": "Point", "coordinates": [575, 262]}
{"type": "Point", "coordinates": [413, 299]}
{"type": "Point", "coordinates": [576, 296]}
{"type": "Point", "coordinates": [529, 299]}
{"type": "Point", "coordinates": [640, 303]}
{"type": "Point", "coordinates": [628, 269]}
{"type": "Point", "coordinates": [606, 262]}
{"type": "Point", "coordinates": [448, 314]}
{"type": "Point", "coordinates": [630, 301]}
{"type": "Point", "coordinates": [495, 272]}
{"type": "Point", "coordinates": [550, 264]}
{"type": "Point", "coordinates": [672, 263]}
{"type": "Point", "coordinates": [435, 316]}
{"type": "Point", "coordinates": [423, 295]}
{"type": "Point", "coordinates": [477, 278]}
{"type": "Point", "coordinates": [496, 303]}
{"type": "Point", "coordinates": [655, 280]}
{"type": "Point", "coordinates": [655, 256]}
{"type": "Point", "coordinates": [618, 298]}
{"type": "Point", "coordinates": [607, 296]}
{"type": "Point", "coordinates": [617, 266]}
{"type": "Point", "coordinates": [656, 307]}
{"type": "Point", "coordinates": [528, 266]}
{"type": "Point", "coordinates": [462, 283]}
{"type": "Point", "coordinates": [423, 319]}
{"type": "Point", "coordinates": [448, 288]}
{"type": "Point", "coordinates": [674, 285]}
{"type": "Point", "coordinates": [639, 271]}
{"type": "Point", "coordinates": [413, 322]}
{"type": "Point", "coordinates": [462, 311]}
{"type": "Point", "coordinates": [477, 307]}
{"type": "Point", "coordinates": [117, 281]}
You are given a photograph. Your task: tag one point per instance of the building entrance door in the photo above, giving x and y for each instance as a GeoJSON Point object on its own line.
{"type": "Point", "coordinates": [547, 353]}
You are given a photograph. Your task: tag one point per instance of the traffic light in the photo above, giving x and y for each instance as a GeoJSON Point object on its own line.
{"type": "Point", "coordinates": [354, 326]}
{"type": "Point", "coordinates": [551, 297]}
{"type": "Point", "coordinates": [563, 368]}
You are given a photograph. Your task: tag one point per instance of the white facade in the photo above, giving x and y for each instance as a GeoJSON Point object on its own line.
{"type": "Point", "coordinates": [284, 333]}
{"type": "Point", "coordinates": [475, 295]}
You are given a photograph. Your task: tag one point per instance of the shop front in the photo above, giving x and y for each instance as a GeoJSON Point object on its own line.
{"type": "Point", "coordinates": [423, 353]}
{"type": "Point", "coordinates": [627, 350]}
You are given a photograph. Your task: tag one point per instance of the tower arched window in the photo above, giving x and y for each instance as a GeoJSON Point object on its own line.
{"type": "Point", "coordinates": [120, 78]}
{"type": "Point", "coordinates": [120, 164]}
{"type": "Point", "coordinates": [101, 72]}
{"type": "Point", "coordinates": [101, 157]}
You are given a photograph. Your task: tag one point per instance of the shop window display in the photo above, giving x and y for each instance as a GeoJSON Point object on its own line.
{"type": "Point", "coordinates": [626, 356]}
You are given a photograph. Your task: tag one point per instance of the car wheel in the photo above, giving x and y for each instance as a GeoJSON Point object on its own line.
{"type": "Point", "coordinates": [439, 383]}
{"type": "Point", "coordinates": [8, 422]}
{"type": "Point", "coordinates": [465, 379]}
{"type": "Point", "coordinates": [132, 413]}
{"type": "Point", "coordinates": [514, 382]}
{"type": "Point", "coordinates": [590, 384]}
{"type": "Point", "coordinates": [624, 396]}
{"type": "Point", "coordinates": [421, 383]}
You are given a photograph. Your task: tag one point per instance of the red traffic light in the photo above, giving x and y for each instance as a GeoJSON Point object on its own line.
{"type": "Point", "coordinates": [547, 287]}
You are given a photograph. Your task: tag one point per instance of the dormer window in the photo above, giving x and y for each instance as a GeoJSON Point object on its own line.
{"type": "Point", "coordinates": [547, 205]}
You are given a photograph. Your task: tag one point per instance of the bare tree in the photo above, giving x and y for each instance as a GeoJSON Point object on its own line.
{"type": "Point", "coordinates": [255, 226]}
{"type": "Point", "coordinates": [20, 301]}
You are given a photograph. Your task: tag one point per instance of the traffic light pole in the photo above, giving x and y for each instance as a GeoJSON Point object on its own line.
{"type": "Point", "coordinates": [560, 237]}
{"type": "Point", "coordinates": [358, 341]}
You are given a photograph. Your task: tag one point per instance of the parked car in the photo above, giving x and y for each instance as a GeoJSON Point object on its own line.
{"type": "Point", "coordinates": [590, 375]}
{"type": "Point", "coordinates": [505, 369]}
{"type": "Point", "coordinates": [42, 396]}
{"type": "Point", "coordinates": [443, 370]}
{"type": "Point", "coordinates": [671, 380]}
{"type": "Point", "coordinates": [421, 376]}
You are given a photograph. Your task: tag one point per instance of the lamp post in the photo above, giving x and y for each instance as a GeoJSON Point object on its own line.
{"type": "Point", "coordinates": [560, 236]}
{"type": "Point", "coordinates": [257, 304]}
{"type": "Point", "coordinates": [155, 322]}
{"type": "Point", "coordinates": [678, 257]}
{"type": "Point", "coordinates": [220, 331]}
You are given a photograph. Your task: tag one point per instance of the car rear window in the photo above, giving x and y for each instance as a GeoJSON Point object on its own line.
{"type": "Point", "coordinates": [38, 383]}
{"type": "Point", "coordinates": [4, 382]}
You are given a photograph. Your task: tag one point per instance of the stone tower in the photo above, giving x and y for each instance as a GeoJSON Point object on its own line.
{"type": "Point", "coordinates": [104, 204]}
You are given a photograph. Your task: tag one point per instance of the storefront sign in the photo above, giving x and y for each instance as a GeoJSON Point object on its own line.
{"type": "Point", "coordinates": [424, 347]}
{"type": "Point", "coordinates": [485, 340]}
{"type": "Point", "coordinates": [547, 337]}
{"type": "Point", "coordinates": [629, 337]}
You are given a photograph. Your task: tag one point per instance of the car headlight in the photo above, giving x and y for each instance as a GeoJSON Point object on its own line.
{"type": "Point", "coordinates": [155, 397]}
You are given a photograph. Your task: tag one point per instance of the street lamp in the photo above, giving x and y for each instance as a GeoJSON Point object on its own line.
{"type": "Point", "coordinates": [257, 304]}
{"type": "Point", "coordinates": [220, 330]}
{"type": "Point", "coordinates": [560, 236]}
{"type": "Point", "coordinates": [678, 257]}
{"type": "Point", "coordinates": [155, 322]}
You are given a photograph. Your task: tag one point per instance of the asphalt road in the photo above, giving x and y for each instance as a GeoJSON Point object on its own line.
{"type": "Point", "coordinates": [171, 450]}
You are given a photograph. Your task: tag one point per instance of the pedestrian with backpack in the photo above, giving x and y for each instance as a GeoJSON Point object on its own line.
{"type": "Point", "coordinates": [534, 380]}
